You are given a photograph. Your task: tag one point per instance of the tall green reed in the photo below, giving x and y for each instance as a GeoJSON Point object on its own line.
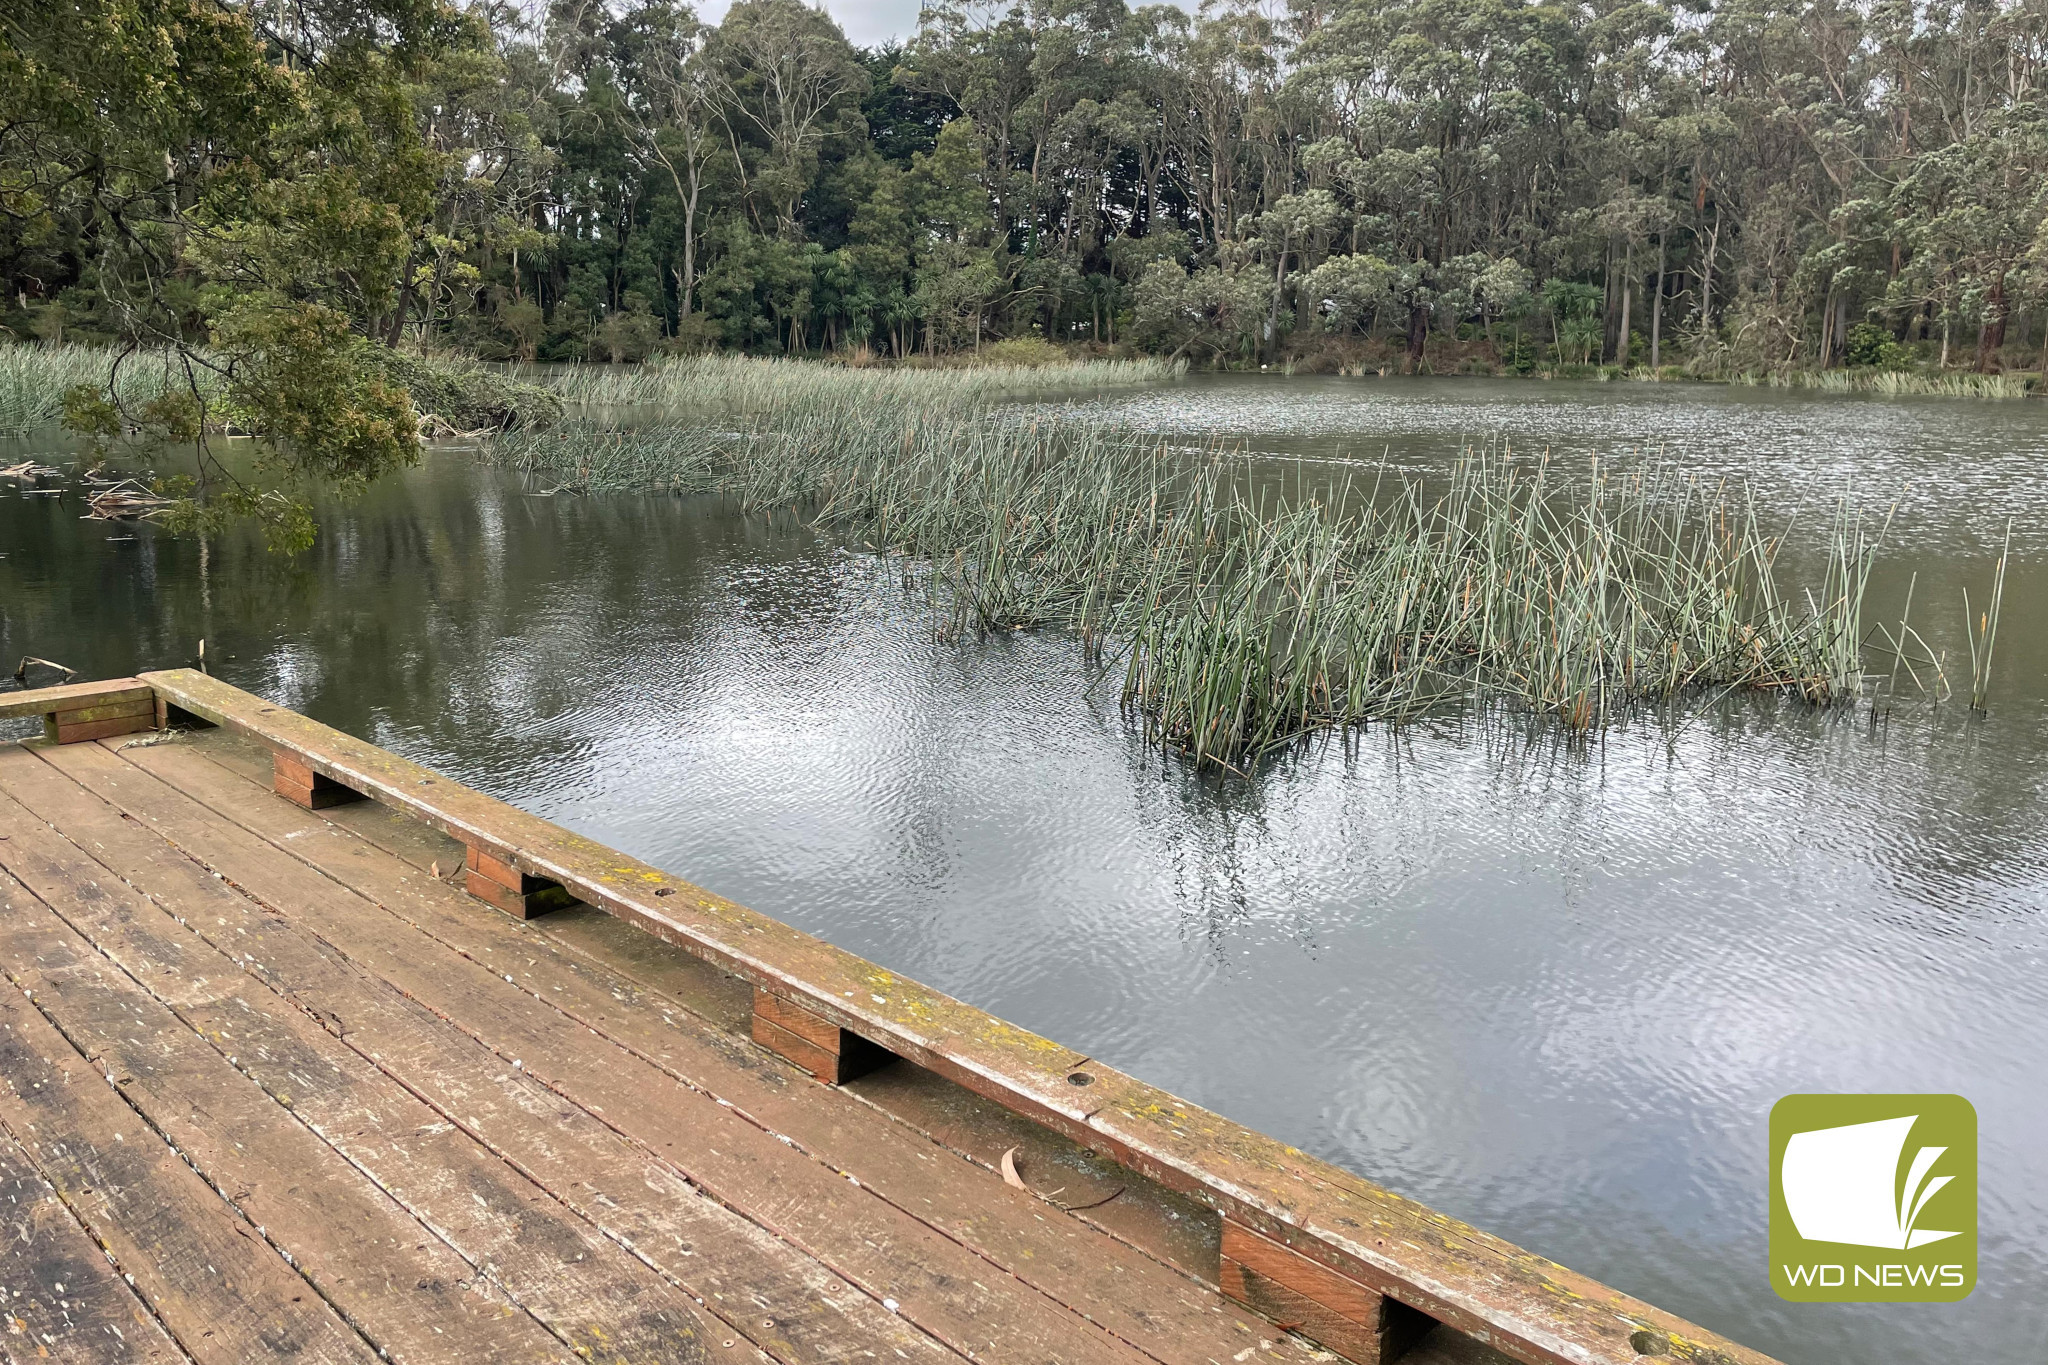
{"type": "Point", "coordinates": [1983, 630]}
{"type": "Point", "coordinates": [33, 380]}
{"type": "Point", "coordinates": [1243, 613]}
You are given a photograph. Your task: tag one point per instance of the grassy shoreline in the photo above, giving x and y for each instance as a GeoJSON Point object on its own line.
{"type": "Point", "coordinates": [753, 383]}
{"type": "Point", "coordinates": [459, 396]}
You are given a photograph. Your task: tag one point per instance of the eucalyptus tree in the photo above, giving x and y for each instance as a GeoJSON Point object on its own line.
{"type": "Point", "coordinates": [1753, 183]}
{"type": "Point", "coordinates": [669, 108]}
{"type": "Point", "coordinates": [786, 80]}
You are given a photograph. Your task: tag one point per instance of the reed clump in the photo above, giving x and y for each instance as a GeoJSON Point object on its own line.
{"type": "Point", "coordinates": [34, 379]}
{"type": "Point", "coordinates": [735, 383]}
{"type": "Point", "coordinates": [1243, 613]}
{"type": "Point", "coordinates": [1900, 383]}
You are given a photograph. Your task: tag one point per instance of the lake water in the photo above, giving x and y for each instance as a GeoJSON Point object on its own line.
{"type": "Point", "coordinates": [1551, 989]}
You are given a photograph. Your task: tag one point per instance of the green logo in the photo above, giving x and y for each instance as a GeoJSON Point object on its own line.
{"type": "Point", "coordinates": [1873, 1198]}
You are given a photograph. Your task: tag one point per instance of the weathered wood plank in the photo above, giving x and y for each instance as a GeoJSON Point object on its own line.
{"type": "Point", "coordinates": [43, 701]}
{"type": "Point", "coordinates": [765, 1291]}
{"type": "Point", "coordinates": [1125, 1205]}
{"type": "Point", "coordinates": [64, 1300]}
{"type": "Point", "coordinates": [109, 710]}
{"type": "Point", "coordinates": [599, 1301]}
{"type": "Point", "coordinates": [830, 1053]}
{"type": "Point", "coordinates": [1167, 1314]}
{"type": "Point", "coordinates": [60, 731]}
{"type": "Point", "coordinates": [1526, 1305]}
{"type": "Point", "coordinates": [936, 1283]}
{"type": "Point", "coordinates": [207, 1274]}
{"type": "Point", "coordinates": [400, 1283]}
{"type": "Point", "coordinates": [412, 840]}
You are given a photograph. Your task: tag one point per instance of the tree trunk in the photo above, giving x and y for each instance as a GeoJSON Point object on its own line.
{"type": "Point", "coordinates": [1418, 335]}
{"type": "Point", "coordinates": [1992, 336]}
{"type": "Point", "coordinates": [1273, 314]}
{"type": "Point", "coordinates": [1627, 295]}
{"type": "Point", "coordinates": [689, 245]}
{"type": "Point", "coordinates": [1657, 309]}
{"type": "Point", "coordinates": [1707, 276]}
{"type": "Point", "coordinates": [1606, 306]}
{"type": "Point", "coordinates": [397, 328]}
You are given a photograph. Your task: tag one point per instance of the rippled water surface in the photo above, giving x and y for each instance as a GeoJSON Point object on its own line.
{"type": "Point", "coordinates": [1550, 989]}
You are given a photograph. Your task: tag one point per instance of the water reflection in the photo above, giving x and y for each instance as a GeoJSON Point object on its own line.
{"type": "Point", "coordinates": [1550, 987]}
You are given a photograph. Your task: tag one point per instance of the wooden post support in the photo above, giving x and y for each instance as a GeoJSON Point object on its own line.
{"type": "Point", "coordinates": [101, 721]}
{"type": "Point", "coordinates": [833, 1054]}
{"type": "Point", "coordinates": [519, 895]}
{"type": "Point", "coordinates": [1354, 1320]}
{"type": "Point", "coordinates": [294, 779]}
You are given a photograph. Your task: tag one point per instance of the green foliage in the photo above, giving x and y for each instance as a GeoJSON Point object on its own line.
{"type": "Point", "coordinates": [1029, 352]}
{"type": "Point", "coordinates": [1574, 318]}
{"type": "Point", "coordinates": [1872, 346]}
{"type": "Point", "coordinates": [251, 204]}
{"type": "Point", "coordinates": [303, 381]}
{"type": "Point", "coordinates": [1219, 309]}
{"type": "Point", "coordinates": [1557, 188]}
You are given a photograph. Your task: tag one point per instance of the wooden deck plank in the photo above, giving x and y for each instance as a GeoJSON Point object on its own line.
{"type": "Point", "coordinates": [1180, 1233]}
{"type": "Point", "coordinates": [205, 1272]}
{"type": "Point", "coordinates": [935, 1282]}
{"type": "Point", "coordinates": [428, 1161]}
{"type": "Point", "coordinates": [1163, 1312]}
{"type": "Point", "coordinates": [1508, 1297]}
{"type": "Point", "coordinates": [64, 1300]}
{"type": "Point", "coordinates": [706, 990]}
{"type": "Point", "coordinates": [719, 1256]}
{"type": "Point", "coordinates": [395, 1279]}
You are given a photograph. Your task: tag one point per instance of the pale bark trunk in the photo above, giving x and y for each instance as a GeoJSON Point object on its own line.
{"type": "Point", "coordinates": [1657, 309]}
{"type": "Point", "coordinates": [1627, 295]}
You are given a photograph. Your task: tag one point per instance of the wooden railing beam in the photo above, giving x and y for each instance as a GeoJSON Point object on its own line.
{"type": "Point", "coordinates": [78, 712]}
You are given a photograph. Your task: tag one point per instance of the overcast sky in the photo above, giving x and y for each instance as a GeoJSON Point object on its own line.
{"type": "Point", "coordinates": [867, 22]}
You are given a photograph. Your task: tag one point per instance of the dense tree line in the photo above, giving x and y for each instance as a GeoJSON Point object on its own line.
{"type": "Point", "coordinates": [1751, 184]}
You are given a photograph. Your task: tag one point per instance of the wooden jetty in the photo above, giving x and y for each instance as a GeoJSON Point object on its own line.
{"type": "Point", "coordinates": [290, 1073]}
